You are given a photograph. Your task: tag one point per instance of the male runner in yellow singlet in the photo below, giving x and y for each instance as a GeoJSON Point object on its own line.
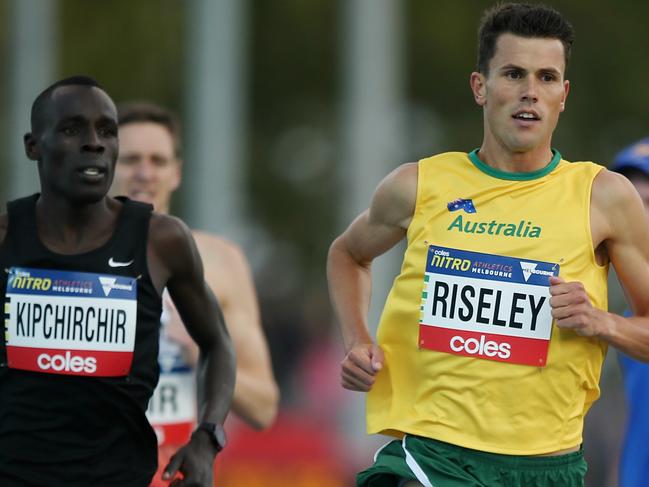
{"type": "Point", "coordinates": [149, 169]}
{"type": "Point", "coordinates": [490, 346]}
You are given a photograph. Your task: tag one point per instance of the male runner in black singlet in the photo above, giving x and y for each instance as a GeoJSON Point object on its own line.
{"type": "Point", "coordinates": [82, 278]}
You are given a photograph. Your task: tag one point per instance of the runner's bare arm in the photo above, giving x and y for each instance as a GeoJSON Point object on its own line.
{"type": "Point", "coordinates": [349, 270]}
{"type": "Point", "coordinates": [173, 250]}
{"type": "Point", "coordinates": [619, 226]}
{"type": "Point", "coordinates": [227, 273]}
{"type": "Point", "coordinates": [256, 394]}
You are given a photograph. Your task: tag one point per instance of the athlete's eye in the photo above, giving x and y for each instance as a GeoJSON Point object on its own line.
{"type": "Point", "coordinates": [107, 131]}
{"type": "Point", "coordinates": [161, 161]}
{"type": "Point", "coordinates": [514, 74]}
{"type": "Point", "coordinates": [129, 159]}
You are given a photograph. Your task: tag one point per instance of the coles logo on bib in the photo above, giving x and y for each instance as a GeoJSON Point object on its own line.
{"type": "Point", "coordinates": [486, 306]}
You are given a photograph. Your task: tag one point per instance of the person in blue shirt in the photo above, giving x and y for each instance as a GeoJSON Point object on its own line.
{"type": "Point", "coordinates": [633, 162]}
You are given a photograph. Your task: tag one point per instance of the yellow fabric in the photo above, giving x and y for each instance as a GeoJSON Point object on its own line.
{"type": "Point", "coordinates": [483, 404]}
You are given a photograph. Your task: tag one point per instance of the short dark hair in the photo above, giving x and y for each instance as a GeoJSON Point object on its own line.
{"type": "Point", "coordinates": [142, 112]}
{"type": "Point", "coordinates": [523, 20]}
{"type": "Point", "coordinates": [39, 102]}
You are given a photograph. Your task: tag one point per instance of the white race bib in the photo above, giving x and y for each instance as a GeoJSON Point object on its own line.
{"type": "Point", "coordinates": [486, 306]}
{"type": "Point", "coordinates": [72, 323]}
{"type": "Point", "coordinates": [172, 408]}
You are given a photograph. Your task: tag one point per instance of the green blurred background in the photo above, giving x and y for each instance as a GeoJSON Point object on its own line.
{"type": "Point", "coordinates": [294, 105]}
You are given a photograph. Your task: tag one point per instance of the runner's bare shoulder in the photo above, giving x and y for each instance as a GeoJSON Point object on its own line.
{"type": "Point", "coordinates": [170, 238]}
{"type": "Point", "coordinates": [217, 251]}
{"type": "Point", "coordinates": [395, 197]}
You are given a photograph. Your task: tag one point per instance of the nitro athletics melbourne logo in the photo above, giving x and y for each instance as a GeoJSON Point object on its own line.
{"type": "Point", "coordinates": [521, 229]}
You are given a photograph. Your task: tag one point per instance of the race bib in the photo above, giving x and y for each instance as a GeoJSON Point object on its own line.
{"type": "Point", "coordinates": [172, 408]}
{"type": "Point", "coordinates": [486, 306]}
{"type": "Point", "coordinates": [72, 323]}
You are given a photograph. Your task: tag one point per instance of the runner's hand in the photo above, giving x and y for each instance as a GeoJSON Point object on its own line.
{"type": "Point", "coordinates": [360, 366]}
{"type": "Point", "coordinates": [194, 461]}
{"type": "Point", "coordinates": [572, 309]}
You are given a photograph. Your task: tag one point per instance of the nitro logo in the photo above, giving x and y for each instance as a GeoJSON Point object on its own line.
{"type": "Point", "coordinates": [529, 268]}
{"type": "Point", "coordinates": [110, 283]}
{"type": "Point", "coordinates": [33, 283]}
{"type": "Point", "coordinates": [522, 229]}
{"type": "Point", "coordinates": [446, 262]}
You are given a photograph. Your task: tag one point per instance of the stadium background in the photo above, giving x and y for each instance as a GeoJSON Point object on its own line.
{"type": "Point", "coordinates": [293, 110]}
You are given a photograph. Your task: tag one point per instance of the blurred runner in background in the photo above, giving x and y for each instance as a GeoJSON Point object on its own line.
{"type": "Point", "coordinates": [149, 169]}
{"type": "Point", "coordinates": [633, 162]}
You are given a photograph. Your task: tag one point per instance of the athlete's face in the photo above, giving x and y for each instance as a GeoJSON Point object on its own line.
{"type": "Point", "coordinates": [75, 143]}
{"type": "Point", "coordinates": [147, 168]}
{"type": "Point", "coordinates": [523, 93]}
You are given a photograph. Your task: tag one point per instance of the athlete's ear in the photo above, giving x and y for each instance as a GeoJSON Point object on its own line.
{"type": "Point", "coordinates": [31, 147]}
{"type": "Point", "coordinates": [566, 90]}
{"type": "Point", "coordinates": [178, 176]}
{"type": "Point", "coordinates": [479, 88]}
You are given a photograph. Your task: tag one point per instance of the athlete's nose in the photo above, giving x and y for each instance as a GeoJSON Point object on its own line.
{"type": "Point", "coordinates": [145, 170]}
{"type": "Point", "coordinates": [530, 90]}
{"type": "Point", "coordinates": [92, 142]}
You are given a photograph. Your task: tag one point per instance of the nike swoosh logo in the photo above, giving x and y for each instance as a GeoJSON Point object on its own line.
{"type": "Point", "coordinates": [114, 263]}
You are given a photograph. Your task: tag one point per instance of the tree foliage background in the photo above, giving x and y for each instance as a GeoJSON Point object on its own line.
{"type": "Point", "coordinates": [138, 49]}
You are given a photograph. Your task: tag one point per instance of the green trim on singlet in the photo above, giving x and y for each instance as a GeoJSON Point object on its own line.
{"type": "Point", "coordinates": [514, 176]}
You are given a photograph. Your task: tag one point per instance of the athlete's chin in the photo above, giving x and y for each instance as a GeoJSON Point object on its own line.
{"type": "Point", "coordinates": [142, 196]}
{"type": "Point", "coordinates": [526, 141]}
{"type": "Point", "coordinates": [523, 144]}
{"type": "Point", "coordinates": [88, 197]}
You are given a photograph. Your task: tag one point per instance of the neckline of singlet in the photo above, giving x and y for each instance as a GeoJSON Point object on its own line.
{"type": "Point", "coordinates": [514, 176]}
{"type": "Point", "coordinates": [118, 226]}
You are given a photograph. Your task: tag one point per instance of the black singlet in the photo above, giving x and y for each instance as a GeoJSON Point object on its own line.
{"type": "Point", "coordinates": [72, 430]}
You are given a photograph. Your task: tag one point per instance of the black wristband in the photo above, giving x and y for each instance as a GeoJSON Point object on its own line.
{"type": "Point", "coordinates": [215, 432]}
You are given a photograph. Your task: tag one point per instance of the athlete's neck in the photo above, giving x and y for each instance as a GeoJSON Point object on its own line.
{"type": "Point", "coordinates": [66, 227]}
{"type": "Point", "coordinates": [503, 159]}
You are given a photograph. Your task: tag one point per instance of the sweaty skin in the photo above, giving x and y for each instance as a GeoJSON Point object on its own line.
{"type": "Point", "coordinates": [525, 75]}
{"type": "Point", "coordinates": [228, 275]}
{"type": "Point", "coordinates": [74, 215]}
{"type": "Point", "coordinates": [148, 170]}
